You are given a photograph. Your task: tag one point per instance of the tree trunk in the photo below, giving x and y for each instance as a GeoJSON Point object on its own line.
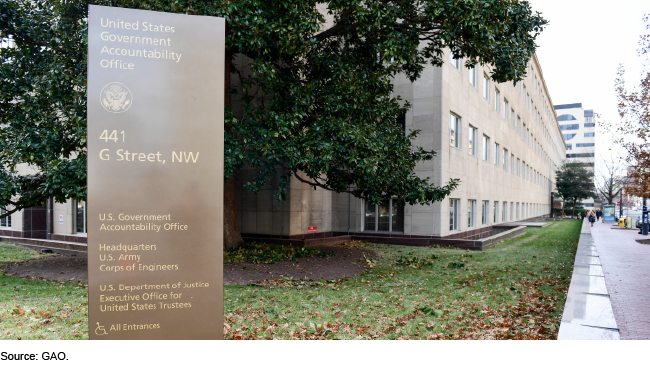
{"type": "Point", "coordinates": [574, 207]}
{"type": "Point", "coordinates": [231, 232]}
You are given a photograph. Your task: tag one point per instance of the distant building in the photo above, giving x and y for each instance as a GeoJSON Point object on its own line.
{"type": "Point", "coordinates": [579, 132]}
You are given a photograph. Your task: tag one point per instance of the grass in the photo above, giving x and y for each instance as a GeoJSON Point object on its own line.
{"type": "Point", "coordinates": [262, 253]}
{"type": "Point", "coordinates": [32, 309]}
{"type": "Point", "coordinates": [513, 290]}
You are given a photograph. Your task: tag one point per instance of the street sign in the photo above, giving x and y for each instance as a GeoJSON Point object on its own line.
{"type": "Point", "coordinates": [155, 174]}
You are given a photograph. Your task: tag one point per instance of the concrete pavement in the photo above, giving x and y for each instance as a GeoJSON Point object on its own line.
{"type": "Point", "coordinates": [626, 268]}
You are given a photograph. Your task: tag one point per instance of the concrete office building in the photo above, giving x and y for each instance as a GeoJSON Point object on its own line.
{"type": "Point", "coordinates": [579, 132]}
{"type": "Point", "coordinates": [63, 225]}
{"type": "Point", "coordinates": [502, 141]}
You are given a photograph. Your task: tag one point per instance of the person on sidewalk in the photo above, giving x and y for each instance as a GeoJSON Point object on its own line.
{"type": "Point", "coordinates": [592, 218]}
{"type": "Point", "coordinates": [598, 214]}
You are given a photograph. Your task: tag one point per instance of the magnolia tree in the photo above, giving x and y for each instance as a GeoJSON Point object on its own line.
{"type": "Point", "coordinates": [313, 78]}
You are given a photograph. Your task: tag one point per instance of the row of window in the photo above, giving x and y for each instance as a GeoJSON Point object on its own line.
{"type": "Point", "coordinates": [517, 210]}
{"type": "Point", "coordinates": [388, 217]}
{"type": "Point", "coordinates": [570, 136]}
{"type": "Point", "coordinates": [568, 127]}
{"type": "Point", "coordinates": [500, 155]}
{"type": "Point", "coordinates": [473, 80]}
{"type": "Point", "coordinates": [81, 218]}
{"type": "Point", "coordinates": [579, 155]}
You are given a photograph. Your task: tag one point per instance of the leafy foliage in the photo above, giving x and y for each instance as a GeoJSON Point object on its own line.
{"type": "Point", "coordinates": [574, 183]}
{"type": "Point", "coordinates": [416, 262]}
{"type": "Point", "coordinates": [42, 102]}
{"type": "Point", "coordinates": [311, 101]}
{"type": "Point", "coordinates": [633, 129]}
{"type": "Point", "coordinates": [264, 253]}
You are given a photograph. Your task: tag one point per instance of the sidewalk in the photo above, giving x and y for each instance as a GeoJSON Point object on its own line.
{"type": "Point", "coordinates": [626, 267]}
{"type": "Point", "coordinates": [588, 313]}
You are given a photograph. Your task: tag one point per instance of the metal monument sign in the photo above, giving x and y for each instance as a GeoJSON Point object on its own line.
{"type": "Point", "coordinates": [155, 174]}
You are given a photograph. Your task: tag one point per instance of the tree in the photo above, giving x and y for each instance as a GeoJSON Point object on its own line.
{"type": "Point", "coordinates": [634, 128]}
{"type": "Point", "coordinates": [314, 99]}
{"type": "Point", "coordinates": [574, 183]}
{"type": "Point", "coordinates": [612, 179]}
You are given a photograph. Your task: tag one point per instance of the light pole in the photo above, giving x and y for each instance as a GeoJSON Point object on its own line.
{"type": "Point", "coordinates": [644, 217]}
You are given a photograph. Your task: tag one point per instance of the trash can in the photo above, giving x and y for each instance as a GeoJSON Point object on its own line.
{"type": "Point", "coordinates": [621, 222]}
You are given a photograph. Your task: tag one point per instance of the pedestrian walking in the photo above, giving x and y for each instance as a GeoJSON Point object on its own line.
{"type": "Point", "coordinates": [598, 214]}
{"type": "Point", "coordinates": [592, 218]}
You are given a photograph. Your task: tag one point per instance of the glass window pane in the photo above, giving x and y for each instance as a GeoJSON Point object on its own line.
{"type": "Point", "coordinates": [81, 217]}
{"type": "Point", "coordinates": [370, 217]}
{"type": "Point", "coordinates": [397, 215]}
{"type": "Point", "coordinates": [384, 216]}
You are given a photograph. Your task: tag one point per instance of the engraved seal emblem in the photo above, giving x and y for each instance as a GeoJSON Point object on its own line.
{"type": "Point", "coordinates": [116, 97]}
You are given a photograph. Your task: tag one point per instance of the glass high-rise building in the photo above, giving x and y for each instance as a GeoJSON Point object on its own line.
{"type": "Point", "coordinates": [579, 132]}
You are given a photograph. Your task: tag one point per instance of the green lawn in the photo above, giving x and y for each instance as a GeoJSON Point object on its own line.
{"type": "Point", "coordinates": [32, 309]}
{"type": "Point", "coordinates": [514, 290]}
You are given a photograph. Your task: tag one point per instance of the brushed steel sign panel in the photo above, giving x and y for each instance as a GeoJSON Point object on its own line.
{"type": "Point", "coordinates": [155, 174]}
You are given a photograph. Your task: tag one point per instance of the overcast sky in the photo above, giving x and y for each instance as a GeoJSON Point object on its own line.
{"type": "Point", "coordinates": [581, 49]}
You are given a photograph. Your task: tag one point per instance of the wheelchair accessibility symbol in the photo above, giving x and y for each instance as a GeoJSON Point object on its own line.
{"type": "Point", "coordinates": [100, 331]}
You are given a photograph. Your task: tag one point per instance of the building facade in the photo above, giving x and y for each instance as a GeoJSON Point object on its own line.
{"type": "Point", "coordinates": [503, 141]}
{"type": "Point", "coordinates": [579, 132]}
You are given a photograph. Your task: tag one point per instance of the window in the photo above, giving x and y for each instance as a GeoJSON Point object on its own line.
{"type": "Point", "coordinates": [473, 140]}
{"type": "Point", "coordinates": [484, 212]}
{"type": "Point", "coordinates": [473, 77]}
{"type": "Point", "coordinates": [504, 215]}
{"type": "Point", "coordinates": [512, 163]}
{"type": "Point", "coordinates": [512, 118]}
{"type": "Point", "coordinates": [496, 212]}
{"type": "Point", "coordinates": [585, 144]}
{"type": "Point", "coordinates": [471, 213]}
{"type": "Point", "coordinates": [569, 127]}
{"type": "Point", "coordinates": [506, 109]}
{"type": "Point", "coordinates": [524, 133]}
{"type": "Point", "coordinates": [578, 155]}
{"type": "Point", "coordinates": [453, 214]}
{"type": "Point", "coordinates": [486, 87]}
{"type": "Point", "coordinates": [568, 136]}
{"type": "Point", "coordinates": [454, 130]}
{"type": "Point", "coordinates": [496, 154]}
{"type": "Point", "coordinates": [592, 134]}
{"type": "Point", "coordinates": [518, 87]}
{"type": "Point", "coordinates": [517, 211]}
{"type": "Point", "coordinates": [486, 148]}
{"type": "Point", "coordinates": [512, 205]}
{"type": "Point", "coordinates": [518, 167]}
{"type": "Point", "coordinates": [524, 95]}
{"type": "Point", "coordinates": [518, 125]}
{"type": "Point", "coordinates": [505, 159]}
{"type": "Point", "coordinates": [456, 62]}
{"type": "Point", "coordinates": [565, 117]}
{"type": "Point", "coordinates": [568, 146]}
{"type": "Point", "coordinates": [588, 125]}
{"type": "Point", "coordinates": [402, 121]}
{"type": "Point", "coordinates": [387, 217]}
{"type": "Point", "coordinates": [497, 100]}
{"type": "Point", "coordinates": [6, 221]}
{"type": "Point", "coordinates": [81, 215]}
